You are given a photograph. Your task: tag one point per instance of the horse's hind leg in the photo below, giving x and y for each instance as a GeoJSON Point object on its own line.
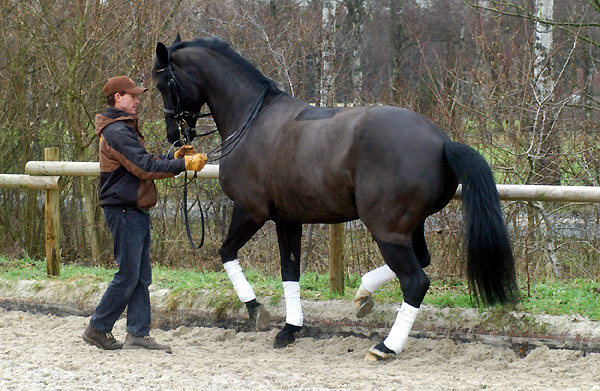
{"type": "Point", "coordinates": [420, 246]}
{"type": "Point", "coordinates": [371, 281]}
{"type": "Point", "coordinates": [241, 229]}
{"type": "Point", "coordinates": [414, 283]}
{"type": "Point", "coordinates": [289, 236]}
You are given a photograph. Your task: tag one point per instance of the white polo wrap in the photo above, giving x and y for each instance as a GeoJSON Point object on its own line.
{"type": "Point", "coordinates": [240, 284]}
{"type": "Point", "coordinates": [399, 332]}
{"type": "Point", "coordinates": [293, 308]}
{"type": "Point", "coordinates": [376, 278]}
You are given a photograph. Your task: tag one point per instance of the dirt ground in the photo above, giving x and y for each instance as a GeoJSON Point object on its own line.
{"type": "Point", "coordinates": [45, 352]}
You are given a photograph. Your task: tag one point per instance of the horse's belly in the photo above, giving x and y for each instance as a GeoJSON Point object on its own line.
{"type": "Point", "coordinates": [324, 207]}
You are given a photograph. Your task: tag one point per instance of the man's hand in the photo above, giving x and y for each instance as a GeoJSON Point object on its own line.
{"type": "Point", "coordinates": [184, 151]}
{"type": "Point", "coordinates": [195, 162]}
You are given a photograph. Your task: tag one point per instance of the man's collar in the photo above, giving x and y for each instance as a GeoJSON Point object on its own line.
{"type": "Point", "coordinates": [113, 112]}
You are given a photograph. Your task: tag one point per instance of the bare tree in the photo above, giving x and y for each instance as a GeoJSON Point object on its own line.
{"type": "Point", "coordinates": [68, 49]}
{"type": "Point", "coordinates": [356, 17]}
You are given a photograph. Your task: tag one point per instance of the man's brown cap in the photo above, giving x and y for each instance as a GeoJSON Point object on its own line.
{"type": "Point", "coordinates": [122, 84]}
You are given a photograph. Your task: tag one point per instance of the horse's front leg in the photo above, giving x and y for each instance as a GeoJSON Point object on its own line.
{"type": "Point", "coordinates": [241, 229]}
{"type": "Point", "coordinates": [289, 236]}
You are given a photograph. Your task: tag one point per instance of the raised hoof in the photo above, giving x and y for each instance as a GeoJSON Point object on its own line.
{"type": "Point", "coordinates": [261, 318]}
{"type": "Point", "coordinates": [363, 305]}
{"type": "Point", "coordinates": [375, 354]}
{"type": "Point", "coordinates": [286, 336]}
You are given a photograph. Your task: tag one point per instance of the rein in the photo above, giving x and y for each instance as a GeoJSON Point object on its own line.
{"type": "Point", "coordinates": [185, 130]}
{"type": "Point", "coordinates": [234, 138]}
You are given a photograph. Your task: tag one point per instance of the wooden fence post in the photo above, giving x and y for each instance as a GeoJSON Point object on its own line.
{"type": "Point", "coordinates": [336, 258]}
{"type": "Point", "coordinates": [52, 220]}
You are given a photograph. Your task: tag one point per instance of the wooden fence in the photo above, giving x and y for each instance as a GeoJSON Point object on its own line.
{"type": "Point", "coordinates": [44, 175]}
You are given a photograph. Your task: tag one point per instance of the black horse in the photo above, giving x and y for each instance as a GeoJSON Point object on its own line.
{"type": "Point", "coordinates": [287, 161]}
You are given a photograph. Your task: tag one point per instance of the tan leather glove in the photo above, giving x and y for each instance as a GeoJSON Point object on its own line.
{"type": "Point", "coordinates": [195, 162]}
{"type": "Point", "coordinates": [184, 151]}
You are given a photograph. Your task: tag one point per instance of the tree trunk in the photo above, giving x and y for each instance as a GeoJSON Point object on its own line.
{"type": "Point", "coordinates": [547, 143]}
{"type": "Point", "coordinates": [356, 14]}
{"type": "Point", "coordinates": [398, 36]}
{"type": "Point", "coordinates": [326, 82]}
{"type": "Point", "coordinates": [327, 98]}
{"type": "Point", "coordinates": [545, 165]}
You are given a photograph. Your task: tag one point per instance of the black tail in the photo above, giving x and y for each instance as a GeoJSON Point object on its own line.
{"type": "Point", "coordinates": [490, 262]}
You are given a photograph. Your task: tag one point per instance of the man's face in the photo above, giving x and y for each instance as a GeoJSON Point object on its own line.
{"type": "Point", "coordinates": [127, 102]}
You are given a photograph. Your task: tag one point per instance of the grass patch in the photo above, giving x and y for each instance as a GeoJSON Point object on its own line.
{"type": "Point", "coordinates": [31, 269]}
{"type": "Point", "coordinates": [553, 298]}
{"type": "Point", "coordinates": [565, 298]}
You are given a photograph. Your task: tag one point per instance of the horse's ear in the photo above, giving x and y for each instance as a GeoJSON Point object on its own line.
{"type": "Point", "coordinates": [177, 39]}
{"type": "Point", "coordinates": [162, 55]}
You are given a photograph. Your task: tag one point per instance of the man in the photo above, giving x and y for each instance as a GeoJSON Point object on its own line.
{"type": "Point", "coordinates": [127, 191]}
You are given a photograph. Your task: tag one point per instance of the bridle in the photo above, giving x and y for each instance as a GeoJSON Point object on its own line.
{"type": "Point", "coordinates": [182, 116]}
{"type": "Point", "coordinates": [186, 131]}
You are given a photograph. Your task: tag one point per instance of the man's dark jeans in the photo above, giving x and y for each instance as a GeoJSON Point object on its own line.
{"type": "Point", "coordinates": [130, 228]}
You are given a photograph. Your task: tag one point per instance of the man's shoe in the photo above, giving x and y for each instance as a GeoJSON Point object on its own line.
{"type": "Point", "coordinates": [133, 342]}
{"type": "Point", "coordinates": [101, 340]}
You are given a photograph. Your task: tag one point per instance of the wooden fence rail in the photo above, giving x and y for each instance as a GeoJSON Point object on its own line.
{"type": "Point", "coordinates": [546, 193]}
{"type": "Point", "coordinates": [211, 171]}
{"type": "Point", "coordinates": [19, 181]}
{"type": "Point", "coordinates": [51, 208]}
{"type": "Point", "coordinates": [44, 175]}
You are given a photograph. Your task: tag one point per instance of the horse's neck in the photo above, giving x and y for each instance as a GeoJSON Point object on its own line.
{"type": "Point", "coordinates": [230, 117]}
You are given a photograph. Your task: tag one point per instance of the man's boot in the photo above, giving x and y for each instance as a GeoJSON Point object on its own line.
{"type": "Point", "coordinates": [147, 342]}
{"type": "Point", "coordinates": [101, 340]}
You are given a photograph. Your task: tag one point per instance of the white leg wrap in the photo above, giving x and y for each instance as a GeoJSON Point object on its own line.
{"type": "Point", "coordinates": [376, 278]}
{"type": "Point", "coordinates": [399, 332]}
{"type": "Point", "coordinates": [293, 308]}
{"type": "Point", "coordinates": [240, 284]}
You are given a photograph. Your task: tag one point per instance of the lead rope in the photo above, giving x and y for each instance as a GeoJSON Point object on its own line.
{"type": "Point", "coordinates": [185, 209]}
{"type": "Point", "coordinates": [231, 141]}
{"type": "Point", "coordinates": [184, 130]}
{"type": "Point", "coordinates": [185, 198]}
{"type": "Point", "coordinates": [185, 214]}
{"type": "Point", "coordinates": [187, 139]}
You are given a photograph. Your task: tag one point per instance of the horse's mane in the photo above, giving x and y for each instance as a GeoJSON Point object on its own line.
{"type": "Point", "coordinates": [224, 49]}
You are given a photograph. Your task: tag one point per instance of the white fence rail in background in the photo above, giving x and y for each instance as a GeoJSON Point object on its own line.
{"type": "Point", "coordinates": [19, 181]}
{"type": "Point", "coordinates": [546, 193]}
{"type": "Point", "coordinates": [44, 175]}
{"type": "Point", "coordinates": [210, 171]}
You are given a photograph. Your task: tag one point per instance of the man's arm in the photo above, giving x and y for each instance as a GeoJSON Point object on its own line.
{"type": "Point", "coordinates": [128, 150]}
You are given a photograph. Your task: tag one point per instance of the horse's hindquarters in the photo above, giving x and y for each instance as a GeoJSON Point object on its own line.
{"type": "Point", "coordinates": [401, 178]}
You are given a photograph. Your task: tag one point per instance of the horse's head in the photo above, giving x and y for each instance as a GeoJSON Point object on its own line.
{"type": "Point", "coordinates": [180, 100]}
